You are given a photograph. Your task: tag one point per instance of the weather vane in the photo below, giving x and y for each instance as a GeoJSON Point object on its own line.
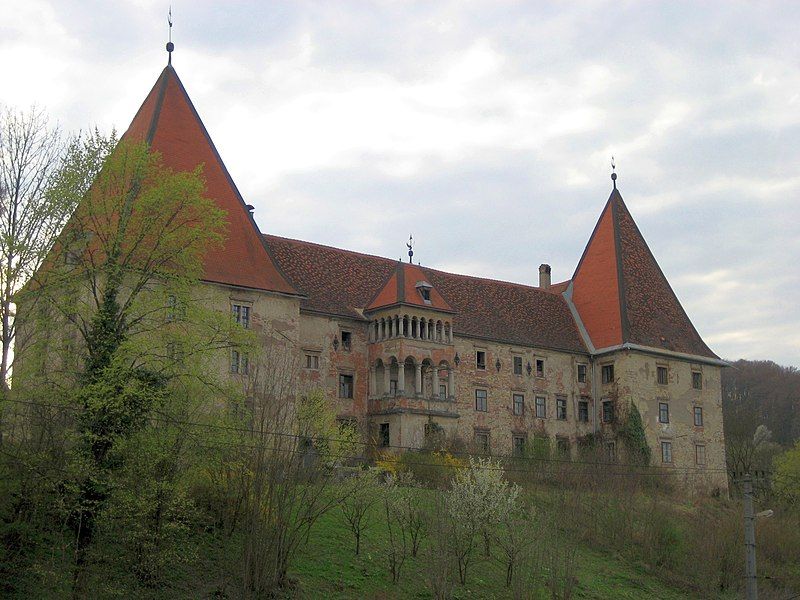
{"type": "Point", "coordinates": [410, 246]}
{"type": "Point", "coordinates": [170, 45]}
{"type": "Point", "coordinates": [613, 173]}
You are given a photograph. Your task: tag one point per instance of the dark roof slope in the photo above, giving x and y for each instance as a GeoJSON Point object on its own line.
{"type": "Point", "coordinates": [401, 288]}
{"type": "Point", "coordinates": [341, 282]}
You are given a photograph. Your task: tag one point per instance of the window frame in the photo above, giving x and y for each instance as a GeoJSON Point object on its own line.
{"type": "Point", "coordinates": [662, 370]}
{"type": "Point", "coordinates": [537, 371]}
{"type": "Point", "coordinates": [484, 398]}
{"type": "Point", "coordinates": [607, 374]}
{"type": "Point", "coordinates": [561, 403]}
{"type": "Point", "coordinates": [697, 379]}
{"type": "Point", "coordinates": [516, 361]}
{"type": "Point", "coordinates": [346, 337]}
{"type": "Point", "coordinates": [240, 312]}
{"type": "Point", "coordinates": [585, 368]}
{"type": "Point", "coordinates": [697, 453]}
{"type": "Point", "coordinates": [514, 397]}
{"type": "Point", "coordinates": [663, 412]}
{"type": "Point", "coordinates": [518, 450]}
{"type": "Point", "coordinates": [313, 358]}
{"type": "Point", "coordinates": [486, 446]}
{"type": "Point", "coordinates": [666, 452]}
{"type": "Point", "coordinates": [384, 435]}
{"type": "Point", "coordinates": [698, 411]}
{"type": "Point", "coordinates": [608, 414]}
{"type": "Point", "coordinates": [352, 385]}
{"type": "Point", "coordinates": [542, 405]}
{"type": "Point", "coordinates": [583, 403]}
{"type": "Point", "coordinates": [480, 365]}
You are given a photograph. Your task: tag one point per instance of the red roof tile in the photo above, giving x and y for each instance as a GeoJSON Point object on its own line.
{"type": "Point", "coordinates": [168, 121]}
{"type": "Point", "coordinates": [340, 282]}
{"type": "Point", "coordinates": [401, 288]}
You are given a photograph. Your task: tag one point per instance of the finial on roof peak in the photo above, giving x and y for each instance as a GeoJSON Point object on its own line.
{"type": "Point", "coordinates": [410, 246]}
{"type": "Point", "coordinates": [613, 173]}
{"type": "Point", "coordinates": [170, 45]}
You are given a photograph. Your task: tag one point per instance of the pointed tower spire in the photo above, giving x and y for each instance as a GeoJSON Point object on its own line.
{"type": "Point", "coordinates": [170, 45]}
{"type": "Point", "coordinates": [169, 123]}
{"type": "Point", "coordinates": [613, 173]}
{"type": "Point", "coordinates": [621, 294]}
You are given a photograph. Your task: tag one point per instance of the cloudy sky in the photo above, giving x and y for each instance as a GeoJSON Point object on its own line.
{"type": "Point", "coordinates": [485, 128]}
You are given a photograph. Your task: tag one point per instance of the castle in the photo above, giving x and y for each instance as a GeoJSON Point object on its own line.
{"type": "Point", "coordinates": [409, 352]}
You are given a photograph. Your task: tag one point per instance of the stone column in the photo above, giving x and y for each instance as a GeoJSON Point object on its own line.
{"type": "Point", "coordinates": [451, 382]}
{"type": "Point", "coordinates": [435, 382]}
{"type": "Point", "coordinates": [387, 376]}
{"type": "Point", "coordinates": [418, 379]}
{"type": "Point", "coordinates": [401, 378]}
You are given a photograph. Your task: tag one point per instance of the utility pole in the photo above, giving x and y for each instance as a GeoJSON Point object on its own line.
{"type": "Point", "coordinates": [749, 538]}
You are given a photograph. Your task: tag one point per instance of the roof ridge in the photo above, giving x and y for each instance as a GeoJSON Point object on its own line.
{"type": "Point", "coordinates": [423, 267]}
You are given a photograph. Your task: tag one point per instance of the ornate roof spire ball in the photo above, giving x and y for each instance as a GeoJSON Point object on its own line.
{"type": "Point", "coordinates": [170, 45]}
{"type": "Point", "coordinates": [613, 173]}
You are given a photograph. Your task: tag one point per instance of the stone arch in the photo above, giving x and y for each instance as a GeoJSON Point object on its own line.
{"type": "Point", "coordinates": [379, 379]}
{"type": "Point", "coordinates": [409, 375]}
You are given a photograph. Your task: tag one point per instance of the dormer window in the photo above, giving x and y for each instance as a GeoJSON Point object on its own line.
{"type": "Point", "coordinates": [424, 289]}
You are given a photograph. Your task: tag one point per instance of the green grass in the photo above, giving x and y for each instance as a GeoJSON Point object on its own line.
{"type": "Point", "coordinates": [328, 568]}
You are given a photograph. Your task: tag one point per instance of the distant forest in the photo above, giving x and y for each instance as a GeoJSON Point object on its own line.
{"type": "Point", "coordinates": [761, 409]}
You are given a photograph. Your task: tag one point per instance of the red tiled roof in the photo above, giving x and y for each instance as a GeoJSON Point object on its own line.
{"type": "Point", "coordinates": [341, 282]}
{"type": "Point", "coordinates": [168, 121]}
{"type": "Point", "coordinates": [622, 295]}
{"type": "Point", "coordinates": [401, 288]}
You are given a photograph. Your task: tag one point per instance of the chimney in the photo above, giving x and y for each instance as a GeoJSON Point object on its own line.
{"type": "Point", "coordinates": [544, 277]}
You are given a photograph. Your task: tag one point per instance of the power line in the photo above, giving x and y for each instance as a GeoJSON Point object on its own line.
{"type": "Point", "coordinates": [660, 470]}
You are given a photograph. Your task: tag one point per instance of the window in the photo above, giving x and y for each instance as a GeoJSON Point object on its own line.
{"type": "Point", "coordinates": [347, 341]}
{"type": "Point", "coordinates": [384, 435]}
{"type": "Point", "coordinates": [607, 373]}
{"type": "Point", "coordinates": [583, 411]}
{"type": "Point", "coordinates": [518, 442]}
{"type": "Point", "coordinates": [697, 380]}
{"type": "Point", "coordinates": [666, 452]}
{"type": "Point", "coordinates": [174, 310]}
{"type": "Point", "coordinates": [581, 373]}
{"type": "Point", "coordinates": [698, 416]}
{"type": "Point", "coordinates": [442, 391]}
{"type": "Point", "coordinates": [425, 292]}
{"type": "Point", "coordinates": [540, 367]}
{"type": "Point", "coordinates": [345, 386]}
{"type": "Point", "coordinates": [239, 363]}
{"type": "Point", "coordinates": [312, 361]}
{"type": "Point", "coordinates": [482, 441]}
{"type": "Point", "coordinates": [393, 386]}
{"type": "Point", "coordinates": [517, 365]}
{"type": "Point", "coordinates": [518, 407]}
{"type": "Point", "coordinates": [608, 411]}
{"type": "Point", "coordinates": [663, 412]}
{"type": "Point", "coordinates": [563, 447]}
{"type": "Point", "coordinates": [481, 403]}
{"type": "Point", "coordinates": [541, 407]}
{"type": "Point", "coordinates": [241, 315]}
{"type": "Point", "coordinates": [700, 454]}
{"type": "Point", "coordinates": [561, 409]}
{"type": "Point", "coordinates": [480, 359]}
{"type": "Point", "coordinates": [662, 375]}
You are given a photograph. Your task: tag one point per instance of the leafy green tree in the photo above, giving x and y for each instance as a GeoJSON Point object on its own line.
{"type": "Point", "coordinates": [138, 235]}
{"type": "Point", "coordinates": [787, 476]}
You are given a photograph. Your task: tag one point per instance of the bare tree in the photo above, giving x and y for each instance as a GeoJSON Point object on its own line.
{"type": "Point", "coordinates": [290, 452]}
{"type": "Point", "coordinates": [31, 150]}
{"type": "Point", "coordinates": [357, 503]}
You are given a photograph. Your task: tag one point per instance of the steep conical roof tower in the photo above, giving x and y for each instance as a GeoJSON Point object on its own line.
{"type": "Point", "coordinates": [168, 121]}
{"type": "Point", "coordinates": [621, 294]}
